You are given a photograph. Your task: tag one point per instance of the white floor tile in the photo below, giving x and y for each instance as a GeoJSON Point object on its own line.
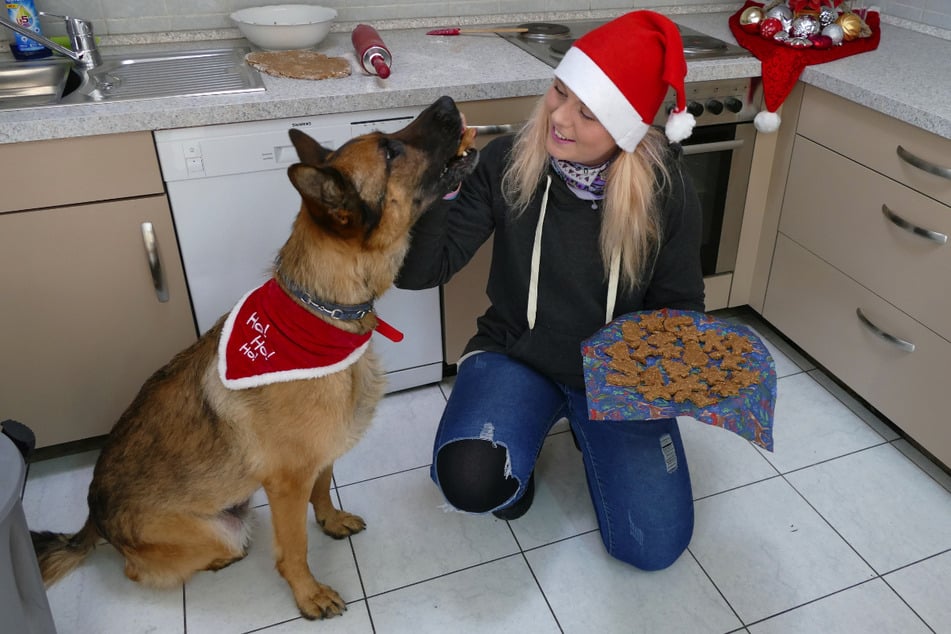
{"type": "Point", "coordinates": [854, 405]}
{"type": "Point", "coordinates": [356, 620]}
{"type": "Point", "coordinates": [496, 597]}
{"type": "Point", "coordinates": [97, 598]}
{"type": "Point", "coordinates": [720, 460]}
{"type": "Point", "coordinates": [589, 591]}
{"type": "Point", "coordinates": [400, 438]}
{"type": "Point", "coordinates": [810, 425]}
{"type": "Point", "coordinates": [887, 508]}
{"type": "Point", "coordinates": [768, 551]}
{"type": "Point", "coordinates": [55, 495]}
{"type": "Point", "coordinates": [869, 607]}
{"type": "Point", "coordinates": [924, 586]}
{"type": "Point", "coordinates": [251, 593]}
{"type": "Point", "coordinates": [562, 506]}
{"type": "Point", "coordinates": [788, 361]}
{"type": "Point", "coordinates": [411, 538]}
{"type": "Point", "coordinates": [927, 465]}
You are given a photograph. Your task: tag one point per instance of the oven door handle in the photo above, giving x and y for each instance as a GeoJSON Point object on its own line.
{"type": "Point", "coordinates": [505, 128]}
{"type": "Point", "coordinates": [716, 146]}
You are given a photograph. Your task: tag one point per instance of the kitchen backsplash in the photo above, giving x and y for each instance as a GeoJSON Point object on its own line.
{"type": "Point", "coordinates": [122, 17]}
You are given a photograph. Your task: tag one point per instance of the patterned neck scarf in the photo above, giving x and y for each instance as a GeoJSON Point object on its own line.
{"type": "Point", "coordinates": [585, 182]}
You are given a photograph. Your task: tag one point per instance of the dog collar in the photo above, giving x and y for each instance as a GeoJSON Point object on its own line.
{"type": "Point", "coordinates": [346, 312]}
{"type": "Point", "coordinates": [269, 338]}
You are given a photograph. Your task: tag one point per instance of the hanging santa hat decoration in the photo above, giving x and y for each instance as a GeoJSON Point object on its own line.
{"type": "Point", "coordinates": [622, 71]}
{"type": "Point", "coordinates": [783, 57]}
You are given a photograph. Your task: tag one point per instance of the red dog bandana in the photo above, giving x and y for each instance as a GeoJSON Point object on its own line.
{"type": "Point", "coordinates": [269, 338]}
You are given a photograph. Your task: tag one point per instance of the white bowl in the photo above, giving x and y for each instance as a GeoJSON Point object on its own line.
{"type": "Point", "coordinates": [283, 27]}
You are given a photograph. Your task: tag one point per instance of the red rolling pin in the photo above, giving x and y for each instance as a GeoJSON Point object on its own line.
{"type": "Point", "coordinates": [371, 51]}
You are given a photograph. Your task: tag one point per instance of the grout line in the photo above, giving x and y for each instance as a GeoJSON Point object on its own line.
{"type": "Point", "coordinates": [720, 592]}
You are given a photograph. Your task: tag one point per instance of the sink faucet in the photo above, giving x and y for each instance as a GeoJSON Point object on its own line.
{"type": "Point", "coordinates": [80, 34]}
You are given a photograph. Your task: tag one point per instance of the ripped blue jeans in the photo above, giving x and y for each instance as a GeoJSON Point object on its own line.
{"type": "Point", "coordinates": [636, 470]}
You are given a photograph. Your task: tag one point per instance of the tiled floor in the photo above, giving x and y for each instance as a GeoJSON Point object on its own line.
{"type": "Point", "coordinates": [845, 528]}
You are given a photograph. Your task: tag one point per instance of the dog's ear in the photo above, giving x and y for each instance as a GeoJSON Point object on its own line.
{"type": "Point", "coordinates": [329, 200]}
{"type": "Point", "coordinates": [309, 151]}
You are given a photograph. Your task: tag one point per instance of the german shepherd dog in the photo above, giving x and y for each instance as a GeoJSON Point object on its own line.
{"type": "Point", "coordinates": [171, 486]}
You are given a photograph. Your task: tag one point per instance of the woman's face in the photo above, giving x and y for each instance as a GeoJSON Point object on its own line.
{"type": "Point", "coordinates": [574, 133]}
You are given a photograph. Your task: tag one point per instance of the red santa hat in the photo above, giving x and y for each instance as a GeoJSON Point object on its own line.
{"type": "Point", "coordinates": [622, 71]}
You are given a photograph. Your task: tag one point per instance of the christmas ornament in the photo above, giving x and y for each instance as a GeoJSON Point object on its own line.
{"type": "Point", "coordinates": [770, 27]}
{"type": "Point", "coordinates": [827, 15]}
{"type": "Point", "coordinates": [798, 42]}
{"type": "Point", "coordinates": [821, 41]}
{"type": "Point", "coordinates": [851, 26]}
{"type": "Point", "coordinates": [835, 33]}
{"type": "Point", "coordinates": [804, 26]}
{"type": "Point", "coordinates": [783, 14]}
{"type": "Point", "coordinates": [781, 37]}
{"type": "Point", "coordinates": [751, 18]}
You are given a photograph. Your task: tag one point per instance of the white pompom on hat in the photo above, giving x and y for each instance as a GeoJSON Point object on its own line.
{"type": "Point", "coordinates": [622, 71]}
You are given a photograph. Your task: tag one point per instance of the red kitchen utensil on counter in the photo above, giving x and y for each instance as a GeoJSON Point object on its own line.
{"type": "Point", "coordinates": [372, 53]}
{"type": "Point", "coordinates": [457, 31]}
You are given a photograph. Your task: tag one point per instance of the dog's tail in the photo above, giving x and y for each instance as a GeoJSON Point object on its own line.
{"type": "Point", "coordinates": [59, 553]}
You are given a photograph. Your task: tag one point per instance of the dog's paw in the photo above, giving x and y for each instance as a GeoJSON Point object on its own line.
{"type": "Point", "coordinates": [342, 524]}
{"type": "Point", "coordinates": [322, 603]}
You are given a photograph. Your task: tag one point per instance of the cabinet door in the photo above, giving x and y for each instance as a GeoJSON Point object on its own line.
{"type": "Point", "coordinates": [463, 297]}
{"type": "Point", "coordinates": [81, 325]}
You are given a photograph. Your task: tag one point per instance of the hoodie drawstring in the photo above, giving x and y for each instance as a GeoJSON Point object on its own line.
{"type": "Point", "coordinates": [536, 260]}
{"type": "Point", "coordinates": [613, 275]}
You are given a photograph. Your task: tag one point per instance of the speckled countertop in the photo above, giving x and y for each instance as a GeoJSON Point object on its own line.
{"type": "Point", "coordinates": [902, 78]}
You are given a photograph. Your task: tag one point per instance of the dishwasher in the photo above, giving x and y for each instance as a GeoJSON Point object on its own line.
{"type": "Point", "coordinates": [233, 207]}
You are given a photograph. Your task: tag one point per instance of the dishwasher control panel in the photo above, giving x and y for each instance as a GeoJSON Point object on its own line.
{"type": "Point", "coordinates": [237, 148]}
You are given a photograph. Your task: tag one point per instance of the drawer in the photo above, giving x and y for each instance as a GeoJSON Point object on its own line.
{"type": "Point", "coordinates": [873, 139]}
{"type": "Point", "coordinates": [815, 305]}
{"type": "Point", "coordinates": [833, 207]}
{"type": "Point", "coordinates": [73, 171]}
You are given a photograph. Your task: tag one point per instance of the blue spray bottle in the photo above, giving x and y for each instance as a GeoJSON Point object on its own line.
{"type": "Point", "coordinates": [24, 13]}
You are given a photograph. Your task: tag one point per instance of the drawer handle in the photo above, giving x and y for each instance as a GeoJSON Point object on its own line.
{"type": "Point", "coordinates": [155, 265]}
{"type": "Point", "coordinates": [907, 346]}
{"type": "Point", "coordinates": [922, 164]}
{"type": "Point", "coordinates": [928, 234]}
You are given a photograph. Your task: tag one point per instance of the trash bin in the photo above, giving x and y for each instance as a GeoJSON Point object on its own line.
{"type": "Point", "coordinates": [23, 603]}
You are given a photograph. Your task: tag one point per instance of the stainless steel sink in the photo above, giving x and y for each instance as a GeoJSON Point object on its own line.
{"type": "Point", "coordinates": [58, 81]}
{"type": "Point", "coordinates": [35, 83]}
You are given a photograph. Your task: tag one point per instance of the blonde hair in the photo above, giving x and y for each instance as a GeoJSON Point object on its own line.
{"type": "Point", "coordinates": [630, 210]}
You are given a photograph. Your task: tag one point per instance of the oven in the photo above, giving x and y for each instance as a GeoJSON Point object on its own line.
{"type": "Point", "coordinates": [719, 153]}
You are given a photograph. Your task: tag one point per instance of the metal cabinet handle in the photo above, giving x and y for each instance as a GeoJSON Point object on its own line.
{"type": "Point", "coordinates": [922, 164]}
{"type": "Point", "coordinates": [155, 265]}
{"type": "Point", "coordinates": [907, 346]}
{"type": "Point", "coordinates": [928, 234]}
{"type": "Point", "coordinates": [506, 128]}
{"type": "Point", "coordinates": [716, 146]}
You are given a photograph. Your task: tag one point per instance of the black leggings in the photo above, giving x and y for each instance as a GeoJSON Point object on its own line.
{"type": "Point", "coordinates": [472, 475]}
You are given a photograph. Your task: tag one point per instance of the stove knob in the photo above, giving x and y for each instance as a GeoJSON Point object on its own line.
{"type": "Point", "coordinates": [733, 104]}
{"type": "Point", "coordinates": [714, 106]}
{"type": "Point", "coordinates": [695, 108]}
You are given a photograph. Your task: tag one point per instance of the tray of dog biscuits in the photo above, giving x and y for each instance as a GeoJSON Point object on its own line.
{"type": "Point", "coordinates": [666, 363]}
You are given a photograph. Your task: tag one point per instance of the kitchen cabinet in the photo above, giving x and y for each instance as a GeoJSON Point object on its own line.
{"type": "Point", "coordinates": [82, 324]}
{"type": "Point", "coordinates": [463, 297]}
{"type": "Point", "coordinates": [859, 274]}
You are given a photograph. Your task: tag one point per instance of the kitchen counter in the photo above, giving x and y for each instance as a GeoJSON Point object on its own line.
{"type": "Point", "coordinates": [899, 79]}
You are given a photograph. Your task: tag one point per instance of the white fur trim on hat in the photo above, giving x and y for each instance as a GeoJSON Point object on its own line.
{"type": "Point", "coordinates": [679, 126]}
{"type": "Point", "coordinates": [766, 121]}
{"type": "Point", "coordinates": [602, 97]}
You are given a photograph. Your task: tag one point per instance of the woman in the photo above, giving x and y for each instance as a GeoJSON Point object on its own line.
{"type": "Point", "coordinates": [591, 217]}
